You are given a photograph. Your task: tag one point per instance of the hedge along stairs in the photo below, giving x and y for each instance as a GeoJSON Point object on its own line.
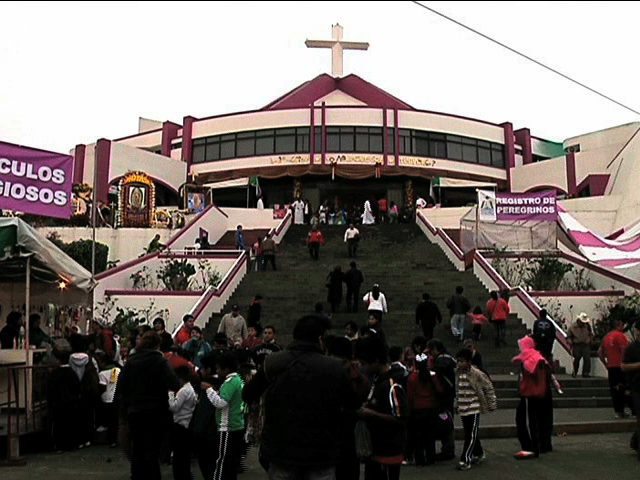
{"type": "Point", "coordinates": [405, 264]}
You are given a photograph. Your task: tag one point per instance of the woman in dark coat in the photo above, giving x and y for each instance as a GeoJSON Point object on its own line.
{"type": "Point", "coordinates": [334, 285]}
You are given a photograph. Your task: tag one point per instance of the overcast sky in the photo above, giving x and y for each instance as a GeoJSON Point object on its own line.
{"type": "Point", "coordinates": [75, 72]}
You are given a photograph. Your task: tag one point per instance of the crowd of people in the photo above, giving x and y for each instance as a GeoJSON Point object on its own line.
{"type": "Point", "coordinates": [327, 404]}
{"type": "Point", "coordinates": [373, 210]}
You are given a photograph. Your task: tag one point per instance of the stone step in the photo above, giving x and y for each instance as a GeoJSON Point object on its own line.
{"type": "Point", "coordinates": [567, 421]}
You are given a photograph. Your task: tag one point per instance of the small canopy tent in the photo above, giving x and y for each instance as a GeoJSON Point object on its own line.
{"type": "Point", "coordinates": [512, 235]}
{"type": "Point", "coordinates": [25, 255]}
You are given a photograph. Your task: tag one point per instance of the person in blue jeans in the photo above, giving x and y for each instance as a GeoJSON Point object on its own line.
{"type": "Point", "coordinates": [458, 306]}
{"type": "Point", "coordinates": [239, 238]}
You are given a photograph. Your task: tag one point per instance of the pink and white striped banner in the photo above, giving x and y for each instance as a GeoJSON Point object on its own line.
{"type": "Point", "coordinates": [608, 253]}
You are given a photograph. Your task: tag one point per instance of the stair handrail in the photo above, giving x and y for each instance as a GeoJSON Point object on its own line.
{"type": "Point", "coordinates": [219, 290]}
{"type": "Point", "coordinates": [437, 231]}
{"type": "Point", "coordinates": [523, 295]}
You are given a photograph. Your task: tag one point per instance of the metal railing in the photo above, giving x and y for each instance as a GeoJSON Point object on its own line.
{"type": "Point", "coordinates": [24, 405]}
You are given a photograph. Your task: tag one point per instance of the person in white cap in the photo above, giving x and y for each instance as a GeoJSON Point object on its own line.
{"type": "Point", "coordinates": [580, 336]}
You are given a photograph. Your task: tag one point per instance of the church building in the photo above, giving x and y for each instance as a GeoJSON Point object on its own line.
{"type": "Point", "coordinates": [342, 139]}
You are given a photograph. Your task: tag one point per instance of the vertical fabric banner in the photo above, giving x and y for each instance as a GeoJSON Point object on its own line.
{"type": "Point", "coordinates": [35, 181]}
{"type": "Point", "coordinates": [487, 206]}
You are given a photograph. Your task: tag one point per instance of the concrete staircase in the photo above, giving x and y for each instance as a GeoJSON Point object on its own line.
{"type": "Point", "coordinates": [398, 257]}
{"type": "Point", "coordinates": [406, 264]}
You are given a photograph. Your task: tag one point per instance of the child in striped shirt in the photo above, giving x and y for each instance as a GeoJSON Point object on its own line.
{"type": "Point", "coordinates": [474, 395]}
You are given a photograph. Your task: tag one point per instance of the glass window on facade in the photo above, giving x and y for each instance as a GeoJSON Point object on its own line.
{"type": "Point", "coordinates": [497, 157]}
{"type": "Point", "coordinates": [375, 140]}
{"type": "Point", "coordinates": [454, 151]}
{"type": "Point", "coordinates": [484, 156]}
{"type": "Point", "coordinates": [437, 148]}
{"type": "Point", "coordinates": [333, 139]}
{"type": "Point", "coordinates": [265, 146]}
{"type": "Point", "coordinates": [469, 153]}
{"type": "Point", "coordinates": [227, 149]}
{"type": "Point", "coordinates": [347, 140]}
{"type": "Point", "coordinates": [198, 153]}
{"type": "Point", "coordinates": [286, 140]}
{"type": "Point", "coordinates": [246, 147]}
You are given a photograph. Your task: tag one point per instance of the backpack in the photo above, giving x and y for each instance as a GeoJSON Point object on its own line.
{"type": "Point", "coordinates": [203, 421]}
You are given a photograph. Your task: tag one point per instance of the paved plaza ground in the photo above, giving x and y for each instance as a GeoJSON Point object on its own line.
{"type": "Point", "coordinates": [580, 457]}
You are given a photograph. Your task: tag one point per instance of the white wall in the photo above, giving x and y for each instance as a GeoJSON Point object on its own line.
{"type": "Point", "coordinates": [212, 219]}
{"type": "Point", "coordinates": [250, 218]}
{"type": "Point", "coordinates": [177, 306]}
{"type": "Point", "coordinates": [215, 299]}
{"type": "Point", "coordinates": [338, 97]}
{"type": "Point", "coordinates": [595, 213]}
{"type": "Point", "coordinates": [445, 217]}
{"type": "Point", "coordinates": [251, 121]}
{"type": "Point", "coordinates": [446, 248]}
{"type": "Point", "coordinates": [617, 135]}
{"type": "Point", "coordinates": [552, 172]}
{"type": "Point", "coordinates": [124, 243]}
{"type": "Point", "coordinates": [146, 140]}
{"type": "Point", "coordinates": [572, 306]}
{"type": "Point", "coordinates": [125, 158]}
{"type": "Point", "coordinates": [449, 124]}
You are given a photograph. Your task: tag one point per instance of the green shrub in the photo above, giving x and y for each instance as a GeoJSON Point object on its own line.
{"type": "Point", "coordinates": [80, 251]}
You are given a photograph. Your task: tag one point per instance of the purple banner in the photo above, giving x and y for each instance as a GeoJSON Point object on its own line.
{"type": "Point", "coordinates": [539, 206]}
{"type": "Point", "coordinates": [35, 181]}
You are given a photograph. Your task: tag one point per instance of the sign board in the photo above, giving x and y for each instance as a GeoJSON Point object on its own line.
{"type": "Point", "coordinates": [540, 206]}
{"type": "Point", "coordinates": [35, 181]}
{"type": "Point", "coordinates": [487, 206]}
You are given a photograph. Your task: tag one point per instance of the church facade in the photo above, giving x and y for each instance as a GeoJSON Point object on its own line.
{"type": "Point", "coordinates": [343, 139]}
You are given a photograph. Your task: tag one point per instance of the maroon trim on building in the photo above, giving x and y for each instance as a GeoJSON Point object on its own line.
{"type": "Point", "coordinates": [219, 291]}
{"type": "Point", "coordinates": [396, 135]}
{"type": "Point", "coordinates": [102, 163]}
{"type": "Point", "coordinates": [154, 293]}
{"type": "Point", "coordinates": [523, 138]}
{"type": "Point", "coordinates": [159, 181]}
{"type": "Point", "coordinates": [78, 163]}
{"type": "Point", "coordinates": [589, 293]}
{"type": "Point", "coordinates": [126, 265]}
{"type": "Point", "coordinates": [385, 136]}
{"type": "Point", "coordinates": [197, 255]}
{"type": "Point", "coordinates": [323, 136]}
{"type": "Point", "coordinates": [540, 188]}
{"type": "Point", "coordinates": [197, 218]}
{"type": "Point", "coordinates": [509, 150]}
{"type": "Point", "coordinates": [312, 134]}
{"type": "Point", "coordinates": [574, 259]}
{"type": "Point", "coordinates": [140, 134]}
{"type": "Point", "coordinates": [310, 92]}
{"type": "Point", "coordinates": [187, 142]}
{"type": "Point", "coordinates": [597, 184]}
{"type": "Point", "coordinates": [570, 161]}
{"type": "Point", "coordinates": [169, 132]}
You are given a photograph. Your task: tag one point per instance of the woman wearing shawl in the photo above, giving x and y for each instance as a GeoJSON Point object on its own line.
{"type": "Point", "coordinates": [535, 376]}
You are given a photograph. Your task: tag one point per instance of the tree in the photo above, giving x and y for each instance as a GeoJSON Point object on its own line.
{"type": "Point", "coordinates": [80, 251]}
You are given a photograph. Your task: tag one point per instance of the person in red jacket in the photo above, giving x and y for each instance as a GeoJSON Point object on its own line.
{"type": "Point", "coordinates": [498, 311]}
{"type": "Point", "coordinates": [610, 352]}
{"type": "Point", "coordinates": [535, 375]}
{"type": "Point", "coordinates": [314, 240]}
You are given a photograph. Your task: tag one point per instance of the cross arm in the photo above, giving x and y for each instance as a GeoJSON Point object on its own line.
{"type": "Point", "coordinates": [354, 45]}
{"type": "Point", "coordinates": [319, 43]}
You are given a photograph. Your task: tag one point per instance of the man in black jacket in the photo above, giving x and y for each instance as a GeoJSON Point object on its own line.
{"type": "Point", "coordinates": [143, 385]}
{"type": "Point", "coordinates": [353, 278]}
{"type": "Point", "coordinates": [306, 392]}
{"type": "Point", "coordinates": [428, 316]}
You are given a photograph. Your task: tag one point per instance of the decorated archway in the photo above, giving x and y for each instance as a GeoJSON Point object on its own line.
{"type": "Point", "coordinates": [136, 200]}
